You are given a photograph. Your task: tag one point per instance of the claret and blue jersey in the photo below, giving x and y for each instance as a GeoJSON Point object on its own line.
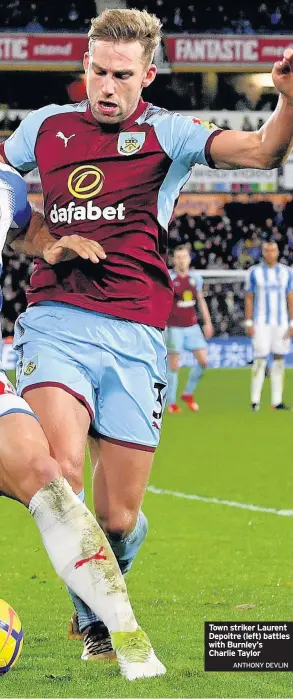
{"type": "Point", "coordinates": [183, 331]}
{"type": "Point", "coordinates": [117, 185]}
{"type": "Point", "coordinates": [183, 312]}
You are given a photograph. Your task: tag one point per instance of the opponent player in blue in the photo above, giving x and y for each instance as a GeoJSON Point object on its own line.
{"type": "Point", "coordinates": [112, 168]}
{"type": "Point", "coordinates": [76, 545]}
{"type": "Point", "coordinates": [269, 322]}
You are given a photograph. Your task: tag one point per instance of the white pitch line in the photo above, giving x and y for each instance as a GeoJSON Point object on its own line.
{"type": "Point", "coordinates": [216, 501]}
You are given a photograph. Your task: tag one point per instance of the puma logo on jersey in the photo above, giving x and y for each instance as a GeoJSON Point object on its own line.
{"type": "Point", "coordinates": [59, 134]}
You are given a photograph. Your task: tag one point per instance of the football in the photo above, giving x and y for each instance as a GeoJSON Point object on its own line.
{"type": "Point", "coordinates": [11, 637]}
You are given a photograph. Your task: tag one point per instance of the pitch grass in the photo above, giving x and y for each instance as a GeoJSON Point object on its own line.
{"type": "Point", "coordinates": [199, 562]}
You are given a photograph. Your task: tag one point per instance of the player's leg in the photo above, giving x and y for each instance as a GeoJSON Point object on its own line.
{"type": "Point", "coordinates": [174, 342]}
{"type": "Point", "coordinates": [97, 641]}
{"type": "Point", "coordinates": [116, 616]}
{"type": "Point", "coordinates": [261, 342]}
{"type": "Point", "coordinates": [60, 340]}
{"type": "Point", "coordinates": [65, 421]}
{"type": "Point", "coordinates": [130, 402]}
{"type": "Point", "coordinates": [62, 400]}
{"type": "Point", "coordinates": [194, 342]}
{"type": "Point", "coordinates": [76, 545]}
{"type": "Point", "coordinates": [280, 347]}
{"type": "Point", "coordinates": [120, 480]}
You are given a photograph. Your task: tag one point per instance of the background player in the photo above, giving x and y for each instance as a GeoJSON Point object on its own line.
{"type": "Point", "coordinates": [95, 367]}
{"type": "Point", "coordinates": [76, 545]}
{"type": "Point", "coordinates": [183, 332]}
{"type": "Point", "coordinates": [269, 322]}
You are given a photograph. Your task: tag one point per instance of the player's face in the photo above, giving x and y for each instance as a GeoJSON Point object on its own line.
{"type": "Point", "coordinates": [271, 254]}
{"type": "Point", "coordinates": [182, 260]}
{"type": "Point", "coordinates": [115, 77]}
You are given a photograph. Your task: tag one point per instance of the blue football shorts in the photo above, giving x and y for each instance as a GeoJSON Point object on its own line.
{"type": "Point", "coordinates": [189, 339]}
{"type": "Point", "coordinates": [117, 368]}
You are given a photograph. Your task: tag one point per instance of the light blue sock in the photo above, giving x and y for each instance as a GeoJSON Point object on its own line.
{"type": "Point", "coordinates": [84, 614]}
{"type": "Point", "coordinates": [126, 548]}
{"type": "Point", "coordinates": [194, 376]}
{"type": "Point", "coordinates": [172, 378]}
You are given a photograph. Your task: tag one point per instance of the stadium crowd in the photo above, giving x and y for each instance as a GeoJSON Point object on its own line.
{"type": "Point", "coordinates": [43, 15]}
{"type": "Point", "coordinates": [221, 16]}
{"type": "Point", "coordinates": [232, 241]}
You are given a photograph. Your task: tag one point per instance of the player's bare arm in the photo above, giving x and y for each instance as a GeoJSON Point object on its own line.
{"type": "Point", "coordinates": [267, 147]}
{"type": "Point", "coordinates": [249, 326]}
{"type": "Point", "coordinates": [208, 327]}
{"type": "Point", "coordinates": [37, 241]}
{"type": "Point", "coordinates": [290, 311]}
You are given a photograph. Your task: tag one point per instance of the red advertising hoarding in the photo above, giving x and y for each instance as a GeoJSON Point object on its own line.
{"type": "Point", "coordinates": [187, 52]}
{"type": "Point", "coordinates": [30, 50]}
{"type": "Point", "coordinates": [184, 51]}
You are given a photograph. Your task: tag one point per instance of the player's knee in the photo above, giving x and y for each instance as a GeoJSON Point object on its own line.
{"type": "Point", "coordinates": [45, 469]}
{"type": "Point", "coordinates": [259, 363]}
{"type": "Point", "coordinates": [203, 363]}
{"type": "Point", "coordinates": [120, 522]}
{"type": "Point", "coordinates": [37, 472]}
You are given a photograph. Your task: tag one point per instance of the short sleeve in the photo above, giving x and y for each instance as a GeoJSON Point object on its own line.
{"type": "Point", "coordinates": [198, 281]}
{"type": "Point", "coordinates": [186, 139]}
{"type": "Point", "coordinates": [14, 206]}
{"type": "Point", "coordinates": [250, 284]}
{"type": "Point", "coordinates": [19, 147]}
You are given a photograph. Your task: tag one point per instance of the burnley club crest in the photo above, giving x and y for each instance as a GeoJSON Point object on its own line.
{"type": "Point", "coordinates": [130, 143]}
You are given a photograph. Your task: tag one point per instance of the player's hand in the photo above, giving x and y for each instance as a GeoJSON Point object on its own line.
{"type": "Point", "coordinates": [250, 331]}
{"type": "Point", "coordinates": [71, 246]}
{"type": "Point", "coordinates": [282, 74]}
{"type": "Point", "coordinates": [208, 330]}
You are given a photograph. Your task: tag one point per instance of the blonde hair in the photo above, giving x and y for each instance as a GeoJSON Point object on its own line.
{"type": "Point", "coordinates": [127, 25]}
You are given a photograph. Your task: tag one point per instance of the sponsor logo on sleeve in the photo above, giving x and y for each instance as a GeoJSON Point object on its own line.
{"type": "Point", "coordinates": [207, 124]}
